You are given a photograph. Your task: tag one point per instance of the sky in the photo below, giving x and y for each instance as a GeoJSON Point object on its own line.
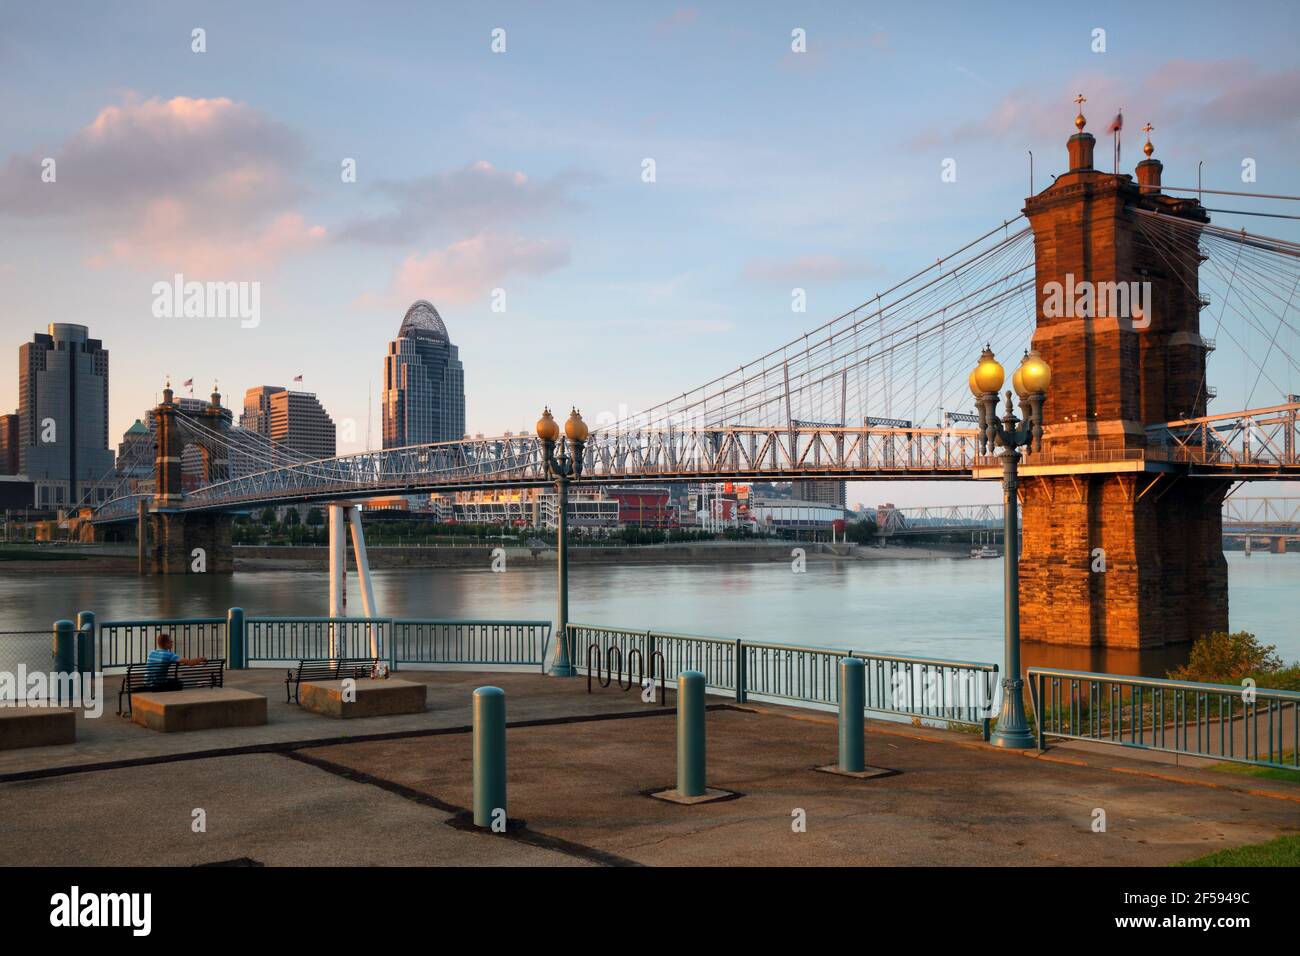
{"type": "Point", "coordinates": [500, 154]}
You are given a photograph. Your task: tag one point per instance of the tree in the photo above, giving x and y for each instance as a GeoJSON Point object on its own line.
{"type": "Point", "coordinates": [314, 518]}
{"type": "Point", "coordinates": [291, 517]}
{"type": "Point", "coordinates": [860, 532]}
{"type": "Point", "coordinates": [268, 516]}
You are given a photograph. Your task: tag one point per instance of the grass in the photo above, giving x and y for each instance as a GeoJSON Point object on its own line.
{"type": "Point", "coordinates": [1268, 773]}
{"type": "Point", "coordinates": [1284, 851]}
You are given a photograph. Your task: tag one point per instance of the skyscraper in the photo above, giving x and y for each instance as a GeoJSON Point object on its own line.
{"type": "Point", "coordinates": [424, 382]}
{"type": "Point", "coordinates": [823, 491]}
{"type": "Point", "coordinates": [295, 420]}
{"type": "Point", "coordinates": [63, 416]}
{"type": "Point", "coordinates": [9, 444]}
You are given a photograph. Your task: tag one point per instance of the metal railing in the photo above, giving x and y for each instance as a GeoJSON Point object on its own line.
{"type": "Point", "coordinates": [124, 642]}
{"type": "Point", "coordinates": [961, 692]}
{"type": "Point", "coordinates": [1217, 721]}
{"type": "Point", "coordinates": [501, 643]}
{"type": "Point", "coordinates": [285, 639]}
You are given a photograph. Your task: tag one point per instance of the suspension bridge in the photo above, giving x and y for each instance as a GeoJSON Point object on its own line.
{"type": "Point", "coordinates": [1133, 457]}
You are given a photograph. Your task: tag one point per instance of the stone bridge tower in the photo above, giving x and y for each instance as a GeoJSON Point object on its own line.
{"type": "Point", "coordinates": [1099, 496]}
{"type": "Point", "coordinates": [175, 541]}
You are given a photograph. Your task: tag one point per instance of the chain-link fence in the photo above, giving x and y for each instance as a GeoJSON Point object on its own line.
{"type": "Point", "coordinates": [23, 652]}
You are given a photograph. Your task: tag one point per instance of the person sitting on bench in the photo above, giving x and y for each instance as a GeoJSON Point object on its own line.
{"type": "Point", "coordinates": [160, 661]}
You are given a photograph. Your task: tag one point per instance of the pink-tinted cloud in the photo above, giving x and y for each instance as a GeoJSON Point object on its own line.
{"type": "Point", "coordinates": [193, 185]}
{"type": "Point", "coordinates": [678, 19]}
{"type": "Point", "coordinates": [1220, 95]}
{"type": "Point", "coordinates": [469, 269]}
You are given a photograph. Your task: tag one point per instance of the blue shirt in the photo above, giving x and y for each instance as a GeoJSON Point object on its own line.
{"type": "Point", "coordinates": [158, 663]}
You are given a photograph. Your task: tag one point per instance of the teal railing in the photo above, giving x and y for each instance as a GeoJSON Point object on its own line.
{"type": "Point", "coordinates": [498, 643]}
{"type": "Point", "coordinates": [1228, 722]}
{"type": "Point", "coordinates": [275, 640]}
{"type": "Point", "coordinates": [291, 639]}
{"type": "Point", "coordinates": [928, 688]}
{"type": "Point", "coordinates": [119, 643]}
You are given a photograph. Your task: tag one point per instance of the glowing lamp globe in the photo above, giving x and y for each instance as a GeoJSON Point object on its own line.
{"type": "Point", "coordinates": [988, 375]}
{"type": "Point", "coordinates": [575, 429]}
{"type": "Point", "coordinates": [548, 429]}
{"type": "Point", "coordinates": [1034, 373]}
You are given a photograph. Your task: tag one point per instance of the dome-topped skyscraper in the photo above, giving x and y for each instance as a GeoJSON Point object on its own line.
{"type": "Point", "coordinates": [423, 321]}
{"type": "Point", "coordinates": [424, 382]}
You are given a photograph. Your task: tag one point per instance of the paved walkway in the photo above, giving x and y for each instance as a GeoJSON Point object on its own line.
{"type": "Point", "coordinates": [314, 791]}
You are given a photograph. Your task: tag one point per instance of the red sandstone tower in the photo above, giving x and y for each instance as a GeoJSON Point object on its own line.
{"type": "Point", "coordinates": [1098, 496]}
{"type": "Point", "coordinates": [171, 538]}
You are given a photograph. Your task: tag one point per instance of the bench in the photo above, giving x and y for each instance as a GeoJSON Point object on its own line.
{"type": "Point", "coordinates": [176, 676]}
{"type": "Point", "coordinates": [324, 669]}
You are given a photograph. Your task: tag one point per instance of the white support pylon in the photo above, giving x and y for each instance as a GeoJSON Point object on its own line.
{"type": "Point", "coordinates": [363, 573]}
{"type": "Point", "coordinates": [338, 568]}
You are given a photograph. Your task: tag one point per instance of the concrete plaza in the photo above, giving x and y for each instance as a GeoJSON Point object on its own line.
{"type": "Point", "coordinates": [310, 790]}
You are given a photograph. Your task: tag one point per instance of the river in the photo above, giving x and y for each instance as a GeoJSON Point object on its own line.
{"type": "Point", "coordinates": [932, 608]}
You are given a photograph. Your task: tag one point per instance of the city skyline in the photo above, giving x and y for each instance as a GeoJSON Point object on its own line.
{"type": "Point", "coordinates": [511, 185]}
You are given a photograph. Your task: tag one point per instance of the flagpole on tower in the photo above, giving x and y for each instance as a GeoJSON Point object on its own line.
{"type": "Point", "coordinates": [1116, 125]}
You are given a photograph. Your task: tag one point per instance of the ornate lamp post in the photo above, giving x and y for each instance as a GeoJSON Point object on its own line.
{"type": "Point", "coordinates": [1030, 382]}
{"type": "Point", "coordinates": [563, 468]}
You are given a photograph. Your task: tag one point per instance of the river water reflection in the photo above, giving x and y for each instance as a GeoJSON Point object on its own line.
{"type": "Point", "coordinates": [934, 608]}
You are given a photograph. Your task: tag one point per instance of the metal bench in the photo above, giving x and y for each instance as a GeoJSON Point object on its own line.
{"type": "Point", "coordinates": [175, 676]}
{"type": "Point", "coordinates": [358, 668]}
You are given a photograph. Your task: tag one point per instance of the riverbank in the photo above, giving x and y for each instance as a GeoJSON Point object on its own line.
{"type": "Point", "coordinates": [722, 552]}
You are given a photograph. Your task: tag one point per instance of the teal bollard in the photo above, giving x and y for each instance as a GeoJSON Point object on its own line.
{"type": "Point", "coordinates": [853, 698]}
{"type": "Point", "coordinates": [489, 755]}
{"type": "Point", "coordinates": [690, 734]}
{"type": "Point", "coordinates": [236, 644]}
{"type": "Point", "coordinates": [86, 642]}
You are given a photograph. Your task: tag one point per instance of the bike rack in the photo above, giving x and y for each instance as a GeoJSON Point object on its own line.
{"type": "Point", "coordinates": [605, 675]}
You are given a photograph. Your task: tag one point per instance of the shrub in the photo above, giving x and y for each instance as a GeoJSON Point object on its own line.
{"type": "Point", "coordinates": [1223, 658]}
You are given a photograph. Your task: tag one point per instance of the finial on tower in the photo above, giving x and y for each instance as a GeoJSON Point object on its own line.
{"type": "Point", "coordinates": [1148, 148]}
{"type": "Point", "coordinates": [1079, 121]}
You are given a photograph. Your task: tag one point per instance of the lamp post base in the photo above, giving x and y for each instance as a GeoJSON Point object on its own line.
{"type": "Point", "coordinates": [1012, 730]}
{"type": "Point", "coordinates": [562, 669]}
{"type": "Point", "coordinates": [1016, 739]}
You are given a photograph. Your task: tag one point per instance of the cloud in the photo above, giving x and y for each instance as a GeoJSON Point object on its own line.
{"type": "Point", "coordinates": [476, 198]}
{"type": "Point", "coordinates": [1221, 95]}
{"type": "Point", "coordinates": [468, 269]}
{"type": "Point", "coordinates": [195, 185]}
{"type": "Point", "coordinates": [678, 19]}
{"type": "Point", "coordinates": [802, 269]}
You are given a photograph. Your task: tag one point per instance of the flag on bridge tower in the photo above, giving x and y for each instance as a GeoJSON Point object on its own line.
{"type": "Point", "coordinates": [297, 378]}
{"type": "Point", "coordinates": [189, 383]}
{"type": "Point", "coordinates": [1116, 125]}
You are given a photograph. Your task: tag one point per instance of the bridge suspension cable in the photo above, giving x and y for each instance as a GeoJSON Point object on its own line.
{"type": "Point", "coordinates": [850, 369]}
{"type": "Point", "coordinates": [1254, 281]}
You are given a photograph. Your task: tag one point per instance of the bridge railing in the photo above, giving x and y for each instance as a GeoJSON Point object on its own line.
{"type": "Point", "coordinates": [961, 692]}
{"type": "Point", "coordinates": [496, 643]}
{"type": "Point", "coordinates": [119, 643]}
{"type": "Point", "coordinates": [1225, 722]}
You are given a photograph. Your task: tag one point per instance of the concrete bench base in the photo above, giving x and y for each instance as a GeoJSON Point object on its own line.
{"type": "Point", "coordinates": [36, 727]}
{"type": "Point", "coordinates": [374, 698]}
{"type": "Point", "coordinates": [204, 709]}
